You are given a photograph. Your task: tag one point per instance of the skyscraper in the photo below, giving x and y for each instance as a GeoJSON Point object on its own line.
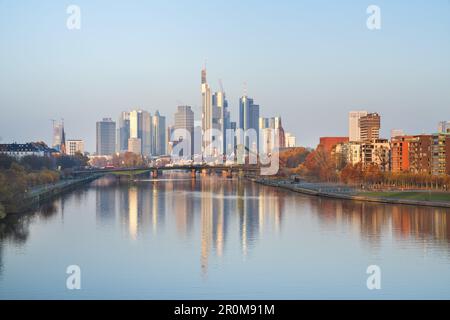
{"type": "Point", "coordinates": [106, 137]}
{"type": "Point", "coordinates": [158, 135]}
{"type": "Point", "coordinates": [59, 137]}
{"type": "Point", "coordinates": [141, 128]}
{"type": "Point", "coordinates": [184, 122]}
{"type": "Point", "coordinates": [354, 131]}
{"type": "Point", "coordinates": [207, 113]}
{"type": "Point", "coordinates": [221, 117]}
{"type": "Point", "coordinates": [123, 132]}
{"type": "Point", "coordinates": [249, 121]}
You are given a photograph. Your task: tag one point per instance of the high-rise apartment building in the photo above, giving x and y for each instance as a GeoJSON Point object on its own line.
{"type": "Point", "coordinates": [106, 137]}
{"type": "Point", "coordinates": [369, 127]}
{"type": "Point", "coordinates": [184, 125]}
{"type": "Point", "coordinates": [74, 146]}
{"type": "Point", "coordinates": [354, 131]}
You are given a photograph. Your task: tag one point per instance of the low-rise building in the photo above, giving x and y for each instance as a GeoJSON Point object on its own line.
{"type": "Point", "coordinates": [20, 150]}
{"type": "Point", "coordinates": [74, 146]}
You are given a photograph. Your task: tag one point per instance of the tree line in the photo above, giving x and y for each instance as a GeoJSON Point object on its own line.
{"type": "Point", "coordinates": [319, 165]}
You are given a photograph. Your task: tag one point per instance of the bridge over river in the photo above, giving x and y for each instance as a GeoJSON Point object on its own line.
{"type": "Point", "coordinates": [154, 172]}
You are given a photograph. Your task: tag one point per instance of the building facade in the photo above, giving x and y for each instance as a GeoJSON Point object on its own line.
{"type": "Point", "coordinates": [158, 135]}
{"type": "Point", "coordinates": [370, 127]}
{"type": "Point", "coordinates": [354, 132]}
{"type": "Point", "coordinates": [249, 123]}
{"type": "Point", "coordinates": [184, 126]}
{"type": "Point", "coordinates": [106, 137]}
{"type": "Point", "coordinates": [440, 154]}
{"type": "Point", "coordinates": [123, 132]}
{"type": "Point", "coordinates": [420, 154]}
{"type": "Point", "coordinates": [74, 146]}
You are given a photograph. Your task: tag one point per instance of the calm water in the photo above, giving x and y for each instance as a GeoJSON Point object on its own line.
{"type": "Point", "coordinates": [214, 238]}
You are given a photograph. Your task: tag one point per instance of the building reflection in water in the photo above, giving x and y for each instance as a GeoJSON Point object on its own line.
{"type": "Point", "coordinates": [371, 220]}
{"type": "Point", "coordinates": [220, 214]}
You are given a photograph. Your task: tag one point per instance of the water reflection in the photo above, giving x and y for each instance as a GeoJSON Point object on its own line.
{"type": "Point", "coordinates": [216, 216]}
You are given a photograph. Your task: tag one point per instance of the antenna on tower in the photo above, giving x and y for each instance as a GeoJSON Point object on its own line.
{"type": "Point", "coordinates": [245, 88]}
{"type": "Point", "coordinates": [221, 85]}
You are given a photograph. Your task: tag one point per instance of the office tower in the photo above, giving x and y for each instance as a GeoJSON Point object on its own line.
{"type": "Point", "coordinates": [290, 140]}
{"type": "Point", "coordinates": [141, 128]}
{"type": "Point", "coordinates": [207, 113]}
{"type": "Point", "coordinates": [249, 121]}
{"type": "Point", "coordinates": [444, 127]}
{"type": "Point", "coordinates": [369, 127]}
{"type": "Point", "coordinates": [135, 146]}
{"type": "Point", "coordinates": [354, 132]}
{"type": "Point", "coordinates": [158, 135]}
{"type": "Point", "coordinates": [123, 132]}
{"type": "Point", "coordinates": [74, 146]}
{"type": "Point", "coordinates": [184, 124]}
{"type": "Point", "coordinates": [59, 137]}
{"type": "Point", "coordinates": [106, 137]}
{"type": "Point", "coordinates": [221, 118]}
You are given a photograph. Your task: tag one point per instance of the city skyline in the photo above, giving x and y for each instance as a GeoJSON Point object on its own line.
{"type": "Point", "coordinates": [319, 66]}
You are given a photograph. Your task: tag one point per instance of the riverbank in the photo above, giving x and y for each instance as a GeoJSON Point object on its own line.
{"type": "Point", "coordinates": [344, 192]}
{"type": "Point", "coordinates": [36, 196]}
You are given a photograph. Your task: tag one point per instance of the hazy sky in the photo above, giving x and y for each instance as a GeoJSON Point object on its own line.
{"type": "Point", "coordinates": [308, 61]}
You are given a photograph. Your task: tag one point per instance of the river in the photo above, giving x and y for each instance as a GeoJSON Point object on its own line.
{"type": "Point", "coordinates": [218, 238]}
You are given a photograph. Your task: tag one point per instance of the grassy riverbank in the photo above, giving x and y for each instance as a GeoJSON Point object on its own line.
{"type": "Point", "coordinates": [410, 195]}
{"type": "Point", "coordinates": [338, 191]}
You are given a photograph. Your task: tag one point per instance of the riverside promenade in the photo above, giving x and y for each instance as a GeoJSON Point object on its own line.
{"type": "Point", "coordinates": [337, 191]}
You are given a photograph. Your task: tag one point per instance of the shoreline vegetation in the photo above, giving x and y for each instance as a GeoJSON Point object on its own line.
{"type": "Point", "coordinates": [337, 191]}
{"type": "Point", "coordinates": [28, 181]}
{"type": "Point", "coordinates": [316, 172]}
